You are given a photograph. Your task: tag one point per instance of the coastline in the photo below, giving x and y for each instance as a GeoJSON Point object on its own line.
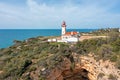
{"type": "Point", "coordinates": [7, 36]}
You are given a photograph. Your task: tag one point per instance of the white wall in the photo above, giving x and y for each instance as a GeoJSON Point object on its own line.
{"type": "Point", "coordinates": [70, 39]}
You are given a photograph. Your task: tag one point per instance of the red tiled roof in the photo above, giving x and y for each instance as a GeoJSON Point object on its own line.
{"type": "Point", "coordinates": [70, 33]}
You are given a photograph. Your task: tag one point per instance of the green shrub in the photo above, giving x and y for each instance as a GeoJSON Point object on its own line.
{"type": "Point", "coordinates": [105, 51]}
{"type": "Point", "coordinates": [113, 36]}
{"type": "Point", "coordinates": [113, 58]}
{"type": "Point", "coordinates": [112, 77]}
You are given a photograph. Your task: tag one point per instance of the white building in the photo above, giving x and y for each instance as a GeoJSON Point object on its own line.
{"type": "Point", "coordinates": [68, 36]}
{"type": "Point", "coordinates": [52, 40]}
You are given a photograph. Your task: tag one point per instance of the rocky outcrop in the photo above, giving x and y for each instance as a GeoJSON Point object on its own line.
{"type": "Point", "coordinates": [68, 71]}
{"type": "Point", "coordinates": [84, 68]}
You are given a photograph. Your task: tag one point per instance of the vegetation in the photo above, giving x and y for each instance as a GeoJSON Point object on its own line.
{"type": "Point", "coordinates": [105, 32]}
{"type": "Point", "coordinates": [104, 48]}
{"type": "Point", "coordinates": [32, 56]}
{"type": "Point", "coordinates": [112, 77]}
{"type": "Point", "coordinates": [100, 75]}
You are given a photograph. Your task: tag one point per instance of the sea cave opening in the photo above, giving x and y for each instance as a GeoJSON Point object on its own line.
{"type": "Point", "coordinates": [76, 74]}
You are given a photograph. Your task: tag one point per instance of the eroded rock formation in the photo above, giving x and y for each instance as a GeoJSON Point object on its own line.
{"type": "Point", "coordinates": [83, 68]}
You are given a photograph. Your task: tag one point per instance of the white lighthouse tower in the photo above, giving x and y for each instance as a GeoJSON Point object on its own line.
{"type": "Point", "coordinates": [63, 27]}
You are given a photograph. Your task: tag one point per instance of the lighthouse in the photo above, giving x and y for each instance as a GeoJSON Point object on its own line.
{"type": "Point", "coordinates": [63, 27]}
{"type": "Point", "coordinates": [68, 37]}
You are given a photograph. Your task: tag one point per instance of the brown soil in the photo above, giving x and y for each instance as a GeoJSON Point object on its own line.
{"type": "Point", "coordinates": [90, 37]}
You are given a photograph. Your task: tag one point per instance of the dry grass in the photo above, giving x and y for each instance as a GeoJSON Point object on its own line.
{"type": "Point", "coordinates": [90, 37]}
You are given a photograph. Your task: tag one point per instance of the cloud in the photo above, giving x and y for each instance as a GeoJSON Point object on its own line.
{"type": "Point", "coordinates": [46, 14]}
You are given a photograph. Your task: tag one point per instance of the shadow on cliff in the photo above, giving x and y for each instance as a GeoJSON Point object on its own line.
{"type": "Point", "coordinates": [68, 70]}
{"type": "Point", "coordinates": [76, 74]}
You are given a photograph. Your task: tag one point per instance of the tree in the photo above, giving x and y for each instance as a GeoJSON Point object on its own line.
{"type": "Point", "coordinates": [105, 51]}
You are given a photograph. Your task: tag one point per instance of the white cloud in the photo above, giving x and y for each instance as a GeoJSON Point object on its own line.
{"type": "Point", "coordinates": [82, 15]}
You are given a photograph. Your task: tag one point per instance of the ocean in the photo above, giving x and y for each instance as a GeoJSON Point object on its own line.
{"type": "Point", "coordinates": [7, 36]}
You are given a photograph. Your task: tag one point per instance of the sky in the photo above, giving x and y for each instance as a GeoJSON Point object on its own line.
{"type": "Point", "coordinates": [49, 14]}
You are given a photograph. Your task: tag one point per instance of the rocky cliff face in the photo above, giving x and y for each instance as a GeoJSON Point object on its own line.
{"type": "Point", "coordinates": [84, 68]}
{"type": "Point", "coordinates": [34, 59]}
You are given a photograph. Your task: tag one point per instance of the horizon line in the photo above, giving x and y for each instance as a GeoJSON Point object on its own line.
{"type": "Point", "coordinates": [55, 28]}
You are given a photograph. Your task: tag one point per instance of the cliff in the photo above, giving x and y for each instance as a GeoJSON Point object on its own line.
{"type": "Point", "coordinates": [84, 68]}
{"type": "Point", "coordinates": [35, 59]}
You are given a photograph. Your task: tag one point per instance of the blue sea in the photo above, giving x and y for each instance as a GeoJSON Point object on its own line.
{"type": "Point", "coordinates": [7, 36]}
